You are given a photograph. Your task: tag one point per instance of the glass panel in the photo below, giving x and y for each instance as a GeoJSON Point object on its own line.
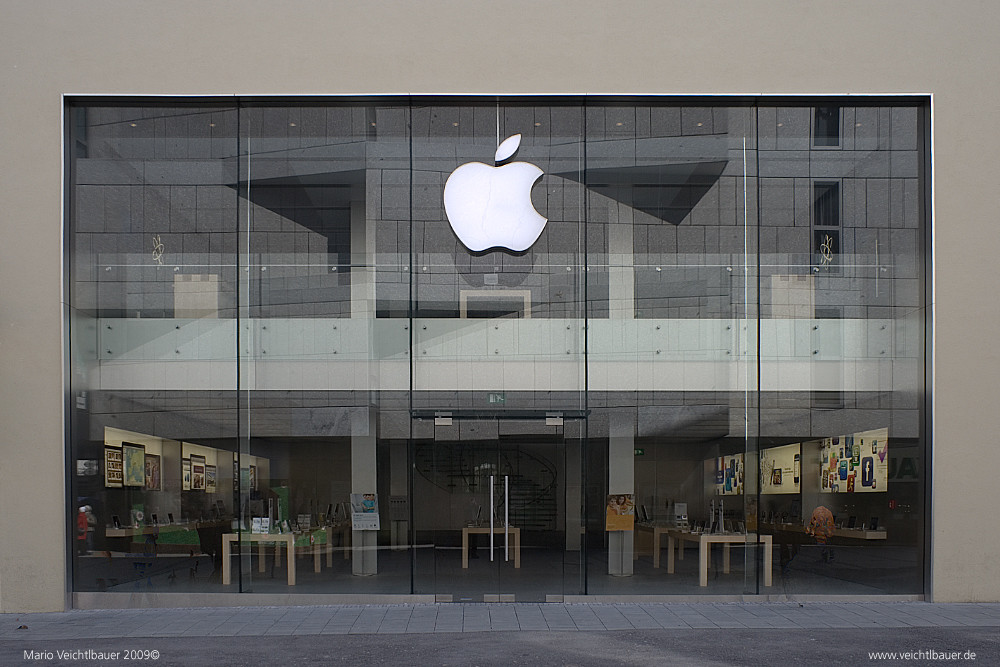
{"type": "Point", "coordinates": [672, 360]}
{"type": "Point", "coordinates": [499, 500]}
{"type": "Point", "coordinates": [325, 366]}
{"type": "Point", "coordinates": [842, 348]}
{"type": "Point", "coordinates": [153, 293]}
{"type": "Point", "coordinates": [285, 342]}
{"type": "Point", "coordinates": [498, 319]}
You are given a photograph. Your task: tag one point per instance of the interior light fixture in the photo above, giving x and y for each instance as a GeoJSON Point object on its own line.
{"type": "Point", "coordinates": [454, 124]}
{"type": "Point", "coordinates": [618, 124]}
{"type": "Point", "coordinates": [538, 124]}
{"type": "Point", "coordinates": [132, 125]}
{"type": "Point", "coordinates": [700, 124]}
{"type": "Point", "coordinates": [291, 125]}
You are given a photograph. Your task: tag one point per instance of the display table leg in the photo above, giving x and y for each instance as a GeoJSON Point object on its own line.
{"type": "Point", "coordinates": [703, 558]}
{"type": "Point", "coordinates": [725, 557]}
{"type": "Point", "coordinates": [465, 549]}
{"type": "Point", "coordinates": [277, 553]}
{"type": "Point", "coordinates": [316, 558]}
{"type": "Point", "coordinates": [291, 560]}
{"type": "Point", "coordinates": [226, 548]}
{"type": "Point", "coordinates": [670, 553]}
{"type": "Point", "coordinates": [260, 557]}
{"type": "Point", "coordinates": [768, 559]}
{"type": "Point", "coordinates": [517, 548]}
{"type": "Point", "coordinates": [329, 550]}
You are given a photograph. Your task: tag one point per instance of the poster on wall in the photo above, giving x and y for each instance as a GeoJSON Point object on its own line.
{"type": "Point", "coordinates": [211, 472]}
{"type": "Point", "coordinates": [114, 475]}
{"type": "Point", "coordinates": [185, 474]}
{"type": "Point", "coordinates": [197, 472]}
{"type": "Point", "coordinates": [364, 511]}
{"type": "Point", "coordinates": [856, 463]}
{"type": "Point", "coordinates": [252, 481]}
{"type": "Point", "coordinates": [780, 469]}
{"type": "Point", "coordinates": [620, 512]}
{"type": "Point", "coordinates": [134, 463]}
{"type": "Point", "coordinates": [152, 472]}
{"type": "Point", "coordinates": [729, 475]}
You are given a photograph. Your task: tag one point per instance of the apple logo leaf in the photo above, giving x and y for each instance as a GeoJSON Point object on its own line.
{"type": "Point", "coordinates": [507, 148]}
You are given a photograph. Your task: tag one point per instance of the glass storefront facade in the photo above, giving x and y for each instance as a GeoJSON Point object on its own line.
{"type": "Point", "coordinates": [705, 375]}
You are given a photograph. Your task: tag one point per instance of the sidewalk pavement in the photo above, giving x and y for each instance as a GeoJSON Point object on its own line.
{"type": "Point", "coordinates": [471, 618]}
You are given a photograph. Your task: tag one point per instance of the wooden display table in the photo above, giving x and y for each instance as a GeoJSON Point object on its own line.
{"type": "Point", "coordinates": [262, 539]}
{"type": "Point", "coordinates": [658, 532]}
{"type": "Point", "coordinates": [847, 533]}
{"type": "Point", "coordinates": [497, 530]}
{"type": "Point", "coordinates": [705, 542]}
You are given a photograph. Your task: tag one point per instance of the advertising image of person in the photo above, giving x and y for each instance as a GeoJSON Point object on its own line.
{"type": "Point", "coordinates": [368, 503]}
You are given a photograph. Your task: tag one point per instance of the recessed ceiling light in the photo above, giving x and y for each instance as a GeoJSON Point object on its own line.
{"type": "Point", "coordinates": [373, 124]}
{"type": "Point", "coordinates": [454, 124]}
{"type": "Point", "coordinates": [131, 124]}
{"type": "Point", "coordinates": [211, 124]}
{"type": "Point", "coordinates": [781, 124]}
{"type": "Point", "coordinates": [291, 125]}
{"type": "Point", "coordinates": [857, 125]}
{"type": "Point", "coordinates": [618, 124]}
{"type": "Point", "coordinates": [538, 124]}
{"type": "Point", "coordinates": [700, 124]}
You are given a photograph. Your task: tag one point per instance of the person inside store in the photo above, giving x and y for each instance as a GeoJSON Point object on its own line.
{"type": "Point", "coordinates": [821, 527]}
{"type": "Point", "coordinates": [85, 525]}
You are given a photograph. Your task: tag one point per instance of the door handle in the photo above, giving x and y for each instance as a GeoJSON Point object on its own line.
{"type": "Point", "coordinates": [506, 519]}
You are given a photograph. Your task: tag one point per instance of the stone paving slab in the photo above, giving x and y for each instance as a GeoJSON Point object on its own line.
{"type": "Point", "coordinates": [522, 617]}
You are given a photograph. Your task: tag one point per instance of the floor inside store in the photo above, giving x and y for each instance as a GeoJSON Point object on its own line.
{"type": "Point", "coordinates": [545, 574]}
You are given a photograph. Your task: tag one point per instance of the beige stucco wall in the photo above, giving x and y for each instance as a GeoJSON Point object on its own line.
{"type": "Point", "coordinates": [52, 48]}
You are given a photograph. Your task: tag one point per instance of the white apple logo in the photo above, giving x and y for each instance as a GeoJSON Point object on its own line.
{"type": "Point", "coordinates": [490, 207]}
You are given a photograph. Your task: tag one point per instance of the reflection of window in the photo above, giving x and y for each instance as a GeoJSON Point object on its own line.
{"type": "Point", "coordinates": [495, 303]}
{"type": "Point", "coordinates": [826, 204]}
{"type": "Point", "coordinates": [826, 126]}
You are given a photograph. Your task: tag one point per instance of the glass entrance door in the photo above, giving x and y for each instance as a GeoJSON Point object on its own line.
{"type": "Point", "coordinates": [497, 510]}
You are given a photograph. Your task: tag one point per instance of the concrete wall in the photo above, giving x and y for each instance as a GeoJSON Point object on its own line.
{"type": "Point", "coordinates": [648, 46]}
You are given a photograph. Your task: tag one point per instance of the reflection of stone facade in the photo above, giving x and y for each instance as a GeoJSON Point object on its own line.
{"type": "Point", "coordinates": [297, 277]}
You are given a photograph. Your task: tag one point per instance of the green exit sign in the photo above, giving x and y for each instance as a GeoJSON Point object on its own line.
{"type": "Point", "coordinates": [640, 452]}
{"type": "Point", "coordinates": [496, 398]}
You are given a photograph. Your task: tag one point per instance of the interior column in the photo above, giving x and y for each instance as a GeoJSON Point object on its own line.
{"type": "Point", "coordinates": [621, 479]}
{"type": "Point", "coordinates": [364, 543]}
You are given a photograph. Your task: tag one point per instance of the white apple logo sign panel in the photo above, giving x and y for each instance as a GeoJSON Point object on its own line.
{"type": "Point", "coordinates": [490, 207]}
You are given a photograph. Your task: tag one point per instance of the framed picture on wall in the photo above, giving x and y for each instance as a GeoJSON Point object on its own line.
{"type": "Point", "coordinates": [134, 462]}
{"type": "Point", "coordinates": [197, 472]}
{"type": "Point", "coordinates": [114, 473]}
{"type": "Point", "coordinates": [211, 472]}
{"type": "Point", "coordinates": [152, 472]}
{"type": "Point", "coordinates": [185, 474]}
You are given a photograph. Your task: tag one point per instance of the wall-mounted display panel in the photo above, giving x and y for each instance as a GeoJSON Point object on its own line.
{"type": "Point", "coordinates": [856, 463]}
{"type": "Point", "coordinates": [729, 474]}
{"type": "Point", "coordinates": [780, 469]}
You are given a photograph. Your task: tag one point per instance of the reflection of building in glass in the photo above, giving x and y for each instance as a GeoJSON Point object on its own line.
{"type": "Point", "coordinates": [309, 334]}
